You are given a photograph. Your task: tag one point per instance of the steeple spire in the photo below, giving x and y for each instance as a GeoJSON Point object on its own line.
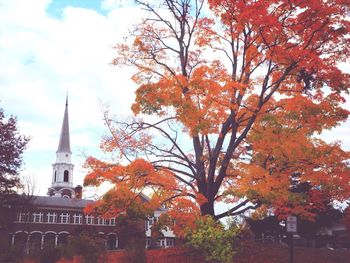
{"type": "Point", "coordinates": [64, 144]}
{"type": "Point", "coordinates": [62, 176]}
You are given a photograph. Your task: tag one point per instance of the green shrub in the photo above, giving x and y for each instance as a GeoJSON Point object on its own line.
{"type": "Point", "coordinates": [11, 255]}
{"type": "Point", "coordinates": [90, 247]}
{"type": "Point", "coordinates": [213, 241]}
{"type": "Point", "coordinates": [130, 227]}
{"type": "Point", "coordinates": [50, 255]}
{"type": "Point", "coordinates": [135, 248]}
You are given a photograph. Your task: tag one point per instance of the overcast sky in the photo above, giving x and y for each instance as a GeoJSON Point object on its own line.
{"type": "Point", "coordinates": [50, 47]}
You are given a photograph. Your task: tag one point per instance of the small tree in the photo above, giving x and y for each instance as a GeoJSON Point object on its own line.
{"type": "Point", "coordinates": [130, 216]}
{"type": "Point", "coordinates": [86, 244]}
{"type": "Point", "coordinates": [12, 145]}
{"type": "Point", "coordinates": [212, 240]}
{"type": "Point", "coordinates": [318, 212]}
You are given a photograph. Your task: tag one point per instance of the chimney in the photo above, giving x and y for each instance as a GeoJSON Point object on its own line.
{"type": "Point", "coordinates": [78, 192]}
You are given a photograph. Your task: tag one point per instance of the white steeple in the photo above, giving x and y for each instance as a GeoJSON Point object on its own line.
{"type": "Point", "coordinates": [62, 176]}
{"type": "Point", "coordinates": [64, 144]}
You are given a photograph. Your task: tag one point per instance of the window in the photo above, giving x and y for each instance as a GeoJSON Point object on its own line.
{"type": "Point", "coordinates": [51, 217]}
{"type": "Point", "coordinates": [152, 220]}
{"type": "Point", "coordinates": [22, 217]}
{"type": "Point", "coordinates": [111, 242]}
{"type": "Point", "coordinates": [148, 242]}
{"type": "Point", "coordinates": [65, 218]}
{"type": "Point", "coordinates": [89, 220]}
{"type": "Point", "coordinates": [66, 176]}
{"type": "Point", "coordinates": [77, 219]}
{"type": "Point", "coordinates": [100, 221]}
{"type": "Point", "coordinates": [110, 221]}
{"type": "Point", "coordinates": [37, 217]}
{"type": "Point", "coordinates": [169, 242]}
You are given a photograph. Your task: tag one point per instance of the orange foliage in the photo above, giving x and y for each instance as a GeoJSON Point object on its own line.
{"type": "Point", "coordinates": [282, 145]}
{"type": "Point", "coordinates": [185, 213]}
{"type": "Point", "coordinates": [237, 98]}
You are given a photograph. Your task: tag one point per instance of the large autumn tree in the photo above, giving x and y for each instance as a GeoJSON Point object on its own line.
{"type": "Point", "coordinates": [230, 97]}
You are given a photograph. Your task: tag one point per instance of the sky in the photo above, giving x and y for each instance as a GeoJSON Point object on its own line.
{"type": "Point", "coordinates": [51, 47]}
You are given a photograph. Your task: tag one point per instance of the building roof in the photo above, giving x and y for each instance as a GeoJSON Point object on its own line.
{"type": "Point", "coordinates": [51, 201]}
{"type": "Point", "coordinates": [64, 144]}
{"type": "Point", "coordinates": [71, 203]}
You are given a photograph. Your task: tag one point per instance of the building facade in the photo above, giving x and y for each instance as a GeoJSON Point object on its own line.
{"type": "Point", "coordinates": [51, 219]}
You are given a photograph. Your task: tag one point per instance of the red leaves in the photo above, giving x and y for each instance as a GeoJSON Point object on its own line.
{"type": "Point", "coordinates": [282, 144]}
{"type": "Point", "coordinates": [185, 213]}
{"type": "Point", "coordinates": [100, 172]}
{"type": "Point", "coordinates": [129, 182]}
{"type": "Point", "coordinates": [249, 121]}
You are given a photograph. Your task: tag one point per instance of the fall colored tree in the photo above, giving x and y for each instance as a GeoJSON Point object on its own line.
{"type": "Point", "coordinates": [230, 98]}
{"type": "Point", "coordinates": [318, 212]}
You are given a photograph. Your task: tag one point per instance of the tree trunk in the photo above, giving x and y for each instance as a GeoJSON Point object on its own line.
{"type": "Point", "coordinates": [207, 209]}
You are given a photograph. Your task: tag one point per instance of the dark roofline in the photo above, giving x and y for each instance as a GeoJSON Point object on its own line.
{"type": "Point", "coordinates": [59, 202]}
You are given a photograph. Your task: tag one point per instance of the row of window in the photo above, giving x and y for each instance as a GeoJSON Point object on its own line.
{"type": "Point", "coordinates": [37, 240]}
{"type": "Point", "coordinates": [152, 220]}
{"type": "Point", "coordinates": [64, 218]}
{"type": "Point", "coordinates": [164, 242]}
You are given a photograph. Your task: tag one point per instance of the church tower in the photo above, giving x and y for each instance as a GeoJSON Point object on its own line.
{"type": "Point", "coordinates": [62, 175]}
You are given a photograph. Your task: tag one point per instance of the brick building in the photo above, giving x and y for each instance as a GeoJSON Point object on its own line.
{"type": "Point", "coordinates": [53, 219]}
{"type": "Point", "coordinates": [49, 220]}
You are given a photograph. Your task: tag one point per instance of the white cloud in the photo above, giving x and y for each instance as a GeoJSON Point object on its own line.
{"type": "Point", "coordinates": [42, 57]}
{"type": "Point", "coordinates": [113, 4]}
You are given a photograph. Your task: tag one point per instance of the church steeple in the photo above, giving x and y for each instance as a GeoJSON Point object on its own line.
{"type": "Point", "coordinates": [64, 143]}
{"type": "Point", "coordinates": [62, 176]}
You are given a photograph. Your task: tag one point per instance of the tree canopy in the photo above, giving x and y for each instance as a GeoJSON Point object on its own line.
{"type": "Point", "coordinates": [12, 145]}
{"type": "Point", "coordinates": [318, 213]}
{"type": "Point", "coordinates": [230, 98]}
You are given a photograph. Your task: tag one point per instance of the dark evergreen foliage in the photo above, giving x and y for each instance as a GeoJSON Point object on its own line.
{"type": "Point", "coordinates": [12, 145]}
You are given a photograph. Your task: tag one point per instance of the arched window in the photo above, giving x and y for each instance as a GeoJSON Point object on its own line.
{"type": "Point", "coordinates": [35, 241]}
{"type": "Point", "coordinates": [65, 176]}
{"type": "Point", "coordinates": [49, 240]}
{"type": "Point", "coordinates": [55, 176]}
{"type": "Point", "coordinates": [20, 239]}
{"type": "Point", "coordinates": [111, 242]}
{"type": "Point", "coordinates": [62, 239]}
